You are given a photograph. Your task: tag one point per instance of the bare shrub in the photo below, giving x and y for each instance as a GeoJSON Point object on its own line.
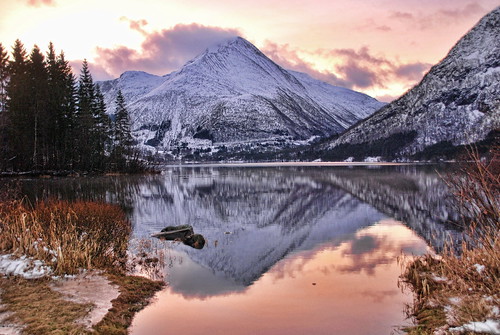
{"type": "Point", "coordinates": [455, 288]}
{"type": "Point", "coordinates": [66, 235]}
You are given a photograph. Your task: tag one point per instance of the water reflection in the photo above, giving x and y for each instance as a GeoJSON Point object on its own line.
{"type": "Point", "coordinates": [346, 286]}
{"type": "Point", "coordinates": [288, 249]}
{"type": "Point", "coordinates": [227, 198]}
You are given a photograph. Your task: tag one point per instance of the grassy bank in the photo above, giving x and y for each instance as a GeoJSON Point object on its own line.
{"type": "Point", "coordinates": [458, 292]}
{"type": "Point", "coordinates": [43, 311]}
{"type": "Point", "coordinates": [68, 238]}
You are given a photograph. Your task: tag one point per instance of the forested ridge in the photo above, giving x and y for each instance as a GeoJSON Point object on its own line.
{"type": "Point", "coordinates": [50, 120]}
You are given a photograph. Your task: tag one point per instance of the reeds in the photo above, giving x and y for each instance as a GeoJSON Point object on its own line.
{"type": "Point", "coordinates": [67, 236]}
{"type": "Point", "coordinates": [462, 284]}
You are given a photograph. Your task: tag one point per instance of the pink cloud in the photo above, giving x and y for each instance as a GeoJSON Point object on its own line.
{"type": "Point", "coordinates": [383, 28]}
{"type": "Point", "coordinates": [39, 3]}
{"type": "Point", "coordinates": [361, 55]}
{"type": "Point", "coordinates": [358, 69]}
{"type": "Point", "coordinates": [401, 15]}
{"type": "Point", "coordinates": [167, 50]}
{"type": "Point", "coordinates": [290, 60]}
{"type": "Point", "coordinates": [386, 97]}
{"type": "Point", "coordinates": [471, 9]}
{"type": "Point", "coordinates": [361, 76]}
{"type": "Point", "coordinates": [439, 17]}
{"type": "Point", "coordinates": [137, 25]}
{"type": "Point", "coordinates": [370, 25]}
{"type": "Point", "coordinates": [162, 51]}
{"type": "Point", "coordinates": [413, 71]}
{"type": "Point", "coordinates": [97, 71]}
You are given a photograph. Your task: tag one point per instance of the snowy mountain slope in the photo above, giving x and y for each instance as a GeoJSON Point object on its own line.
{"type": "Point", "coordinates": [234, 93]}
{"type": "Point", "coordinates": [456, 103]}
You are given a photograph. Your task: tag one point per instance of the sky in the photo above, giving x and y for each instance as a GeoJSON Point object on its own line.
{"type": "Point", "coordinates": [378, 47]}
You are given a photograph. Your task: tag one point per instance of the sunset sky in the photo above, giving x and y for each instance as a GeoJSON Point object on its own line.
{"type": "Point", "coordinates": [379, 47]}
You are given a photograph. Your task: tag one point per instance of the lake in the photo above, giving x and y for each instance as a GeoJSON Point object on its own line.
{"type": "Point", "coordinates": [290, 249]}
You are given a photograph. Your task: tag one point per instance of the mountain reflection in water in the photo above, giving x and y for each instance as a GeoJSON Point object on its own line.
{"type": "Point", "coordinates": [346, 286]}
{"type": "Point", "coordinates": [289, 250]}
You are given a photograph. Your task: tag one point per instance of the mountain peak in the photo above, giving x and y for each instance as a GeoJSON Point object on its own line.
{"type": "Point", "coordinates": [242, 66]}
{"type": "Point", "coordinates": [232, 42]}
{"type": "Point", "coordinates": [455, 104]}
{"type": "Point", "coordinates": [233, 94]}
{"type": "Point", "coordinates": [481, 39]}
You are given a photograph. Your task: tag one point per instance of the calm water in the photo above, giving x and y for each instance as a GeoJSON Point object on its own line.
{"type": "Point", "coordinates": [290, 249]}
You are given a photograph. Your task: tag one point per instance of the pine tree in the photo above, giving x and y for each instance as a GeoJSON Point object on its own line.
{"type": "Point", "coordinates": [92, 124]}
{"type": "Point", "coordinates": [102, 131]}
{"type": "Point", "coordinates": [20, 128]}
{"type": "Point", "coordinates": [4, 77]}
{"type": "Point", "coordinates": [68, 105]}
{"type": "Point", "coordinates": [85, 120]}
{"type": "Point", "coordinates": [46, 122]}
{"type": "Point", "coordinates": [38, 112]}
{"type": "Point", "coordinates": [61, 85]}
{"type": "Point", "coordinates": [54, 128]}
{"type": "Point", "coordinates": [123, 140]}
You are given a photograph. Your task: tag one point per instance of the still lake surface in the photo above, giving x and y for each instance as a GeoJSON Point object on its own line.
{"type": "Point", "coordinates": [291, 249]}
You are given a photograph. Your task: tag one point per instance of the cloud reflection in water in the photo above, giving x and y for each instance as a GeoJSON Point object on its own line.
{"type": "Point", "coordinates": [338, 287]}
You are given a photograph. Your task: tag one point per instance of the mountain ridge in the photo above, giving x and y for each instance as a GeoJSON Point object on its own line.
{"type": "Point", "coordinates": [456, 103]}
{"type": "Point", "coordinates": [233, 93]}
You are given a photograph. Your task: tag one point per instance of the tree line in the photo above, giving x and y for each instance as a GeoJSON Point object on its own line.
{"type": "Point", "coordinates": [52, 120]}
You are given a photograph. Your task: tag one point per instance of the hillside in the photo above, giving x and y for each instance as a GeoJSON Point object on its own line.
{"type": "Point", "coordinates": [233, 95]}
{"type": "Point", "coordinates": [456, 103]}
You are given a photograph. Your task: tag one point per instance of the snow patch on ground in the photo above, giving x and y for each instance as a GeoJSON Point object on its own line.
{"type": "Point", "coordinates": [373, 159]}
{"type": "Point", "coordinates": [87, 288]}
{"type": "Point", "coordinates": [438, 279]}
{"type": "Point", "coordinates": [24, 266]}
{"type": "Point", "coordinates": [488, 327]}
{"type": "Point", "coordinates": [479, 268]}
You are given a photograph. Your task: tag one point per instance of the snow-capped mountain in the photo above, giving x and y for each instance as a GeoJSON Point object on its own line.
{"type": "Point", "coordinates": [233, 93]}
{"type": "Point", "coordinates": [456, 103]}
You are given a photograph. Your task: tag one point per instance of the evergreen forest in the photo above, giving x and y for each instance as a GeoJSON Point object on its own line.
{"type": "Point", "coordinates": [51, 120]}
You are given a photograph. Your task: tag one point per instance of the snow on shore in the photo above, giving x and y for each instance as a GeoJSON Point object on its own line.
{"type": "Point", "coordinates": [87, 287]}
{"type": "Point", "coordinates": [488, 327]}
{"type": "Point", "coordinates": [23, 266]}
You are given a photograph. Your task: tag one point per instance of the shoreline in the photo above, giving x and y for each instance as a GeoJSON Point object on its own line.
{"type": "Point", "coordinates": [96, 301]}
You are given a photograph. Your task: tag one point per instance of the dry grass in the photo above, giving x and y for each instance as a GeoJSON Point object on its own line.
{"type": "Point", "coordinates": [41, 310]}
{"type": "Point", "coordinates": [135, 294]}
{"type": "Point", "coordinates": [457, 288]}
{"type": "Point", "coordinates": [68, 236]}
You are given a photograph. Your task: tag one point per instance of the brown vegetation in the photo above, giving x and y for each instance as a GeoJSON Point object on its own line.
{"type": "Point", "coordinates": [135, 293]}
{"type": "Point", "coordinates": [68, 236]}
{"type": "Point", "coordinates": [462, 285]}
{"type": "Point", "coordinates": [41, 310]}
